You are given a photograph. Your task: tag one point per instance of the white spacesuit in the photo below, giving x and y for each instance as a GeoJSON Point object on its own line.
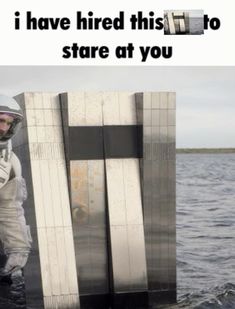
{"type": "Point", "coordinates": [14, 233]}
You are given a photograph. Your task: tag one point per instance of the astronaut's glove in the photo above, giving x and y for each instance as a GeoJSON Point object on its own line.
{"type": "Point", "coordinates": [15, 262]}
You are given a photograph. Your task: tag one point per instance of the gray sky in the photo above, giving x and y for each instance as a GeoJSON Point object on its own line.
{"type": "Point", "coordinates": [205, 95]}
{"type": "Point", "coordinates": [192, 13]}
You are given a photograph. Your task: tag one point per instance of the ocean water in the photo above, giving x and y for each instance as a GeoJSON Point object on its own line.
{"type": "Point", "coordinates": [205, 231]}
{"type": "Point", "coordinates": [196, 25]}
{"type": "Point", "coordinates": [205, 235]}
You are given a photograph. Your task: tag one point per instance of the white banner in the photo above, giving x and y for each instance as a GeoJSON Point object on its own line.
{"type": "Point", "coordinates": [52, 33]}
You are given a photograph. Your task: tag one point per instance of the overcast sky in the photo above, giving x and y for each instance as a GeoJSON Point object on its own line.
{"type": "Point", "coordinates": [205, 95]}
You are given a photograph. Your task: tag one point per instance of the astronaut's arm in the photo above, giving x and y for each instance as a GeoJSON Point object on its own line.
{"type": "Point", "coordinates": [16, 169]}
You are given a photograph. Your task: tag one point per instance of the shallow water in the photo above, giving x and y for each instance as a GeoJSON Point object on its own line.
{"type": "Point", "coordinates": [206, 230]}
{"type": "Point", "coordinates": [196, 25]}
{"type": "Point", "coordinates": [13, 297]}
{"type": "Point", "coordinates": [205, 234]}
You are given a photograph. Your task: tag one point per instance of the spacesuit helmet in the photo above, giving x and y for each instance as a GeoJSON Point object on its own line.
{"type": "Point", "coordinates": [10, 107]}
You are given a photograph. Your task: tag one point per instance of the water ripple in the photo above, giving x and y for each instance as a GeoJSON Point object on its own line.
{"type": "Point", "coordinates": [205, 231]}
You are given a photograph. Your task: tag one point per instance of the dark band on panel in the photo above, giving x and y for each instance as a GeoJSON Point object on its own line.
{"type": "Point", "coordinates": [99, 142]}
{"type": "Point", "coordinates": [86, 143]}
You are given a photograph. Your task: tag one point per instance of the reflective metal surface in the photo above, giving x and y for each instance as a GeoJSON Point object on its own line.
{"type": "Point", "coordinates": [87, 185]}
{"type": "Point", "coordinates": [123, 232]}
{"type": "Point", "coordinates": [122, 207]}
{"type": "Point", "coordinates": [47, 210]}
{"type": "Point", "coordinates": [126, 225]}
{"type": "Point", "coordinates": [176, 22]}
{"type": "Point", "coordinates": [89, 225]}
{"type": "Point", "coordinates": [124, 204]}
{"type": "Point", "coordinates": [158, 113]}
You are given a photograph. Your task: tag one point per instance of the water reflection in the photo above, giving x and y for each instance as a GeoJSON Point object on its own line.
{"type": "Point", "coordinates": [12, 293]}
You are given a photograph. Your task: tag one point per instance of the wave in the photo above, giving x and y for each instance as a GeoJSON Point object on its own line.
{"type": "Point", "coordinates": [219, 297]}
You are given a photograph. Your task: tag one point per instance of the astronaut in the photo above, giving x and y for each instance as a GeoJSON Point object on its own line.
{"type": "Point", "coordinates": [14, 233]}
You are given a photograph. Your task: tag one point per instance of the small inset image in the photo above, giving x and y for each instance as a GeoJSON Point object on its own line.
{"type": "Point", "coordinates": [184, 22]}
